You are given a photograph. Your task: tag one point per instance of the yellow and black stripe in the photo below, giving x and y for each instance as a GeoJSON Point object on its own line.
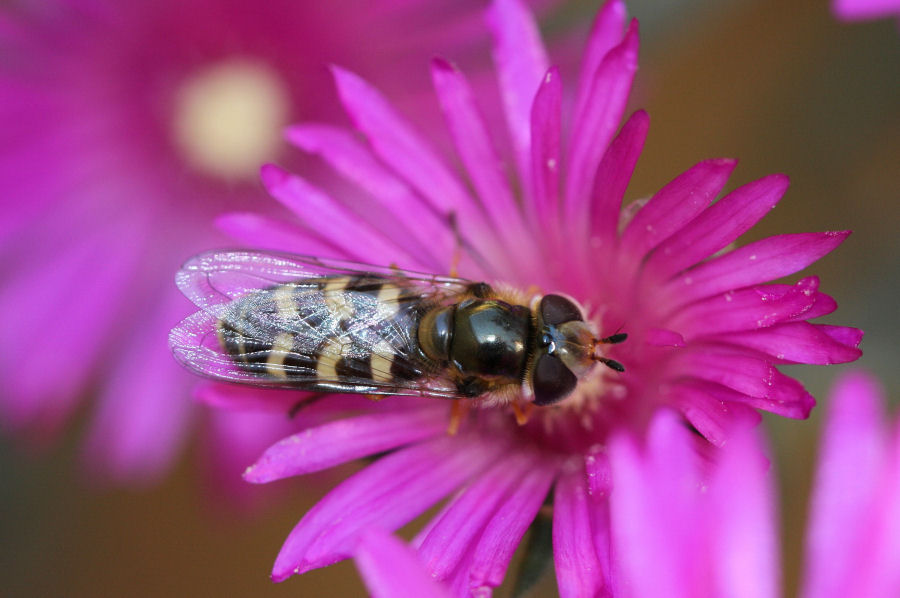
{"type": "Point", "coordinates": [352, 330]}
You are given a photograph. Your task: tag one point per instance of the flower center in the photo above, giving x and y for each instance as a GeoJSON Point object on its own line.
{"type": "Point", "coordinates": [576, 423]}
{"type": "Point", "coordinates": [229, 117]}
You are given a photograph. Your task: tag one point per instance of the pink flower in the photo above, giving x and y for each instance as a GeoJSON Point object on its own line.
{"type": "Point", "coordinates": [858, 10]}
{"type": "Point", "coordinates": [686, 527]}
{"type": "Point", "coordinates": [715, 535]}
{"type": "Point", "coordinates": [125, 126]}
{"type": "Point", "coordinates": [706, 330]}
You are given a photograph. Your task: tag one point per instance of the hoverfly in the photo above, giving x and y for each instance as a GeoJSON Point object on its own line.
{"type": "Point", "coordinates": [325, 325]}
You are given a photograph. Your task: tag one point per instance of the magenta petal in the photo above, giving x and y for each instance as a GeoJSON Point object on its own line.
{"type": "Point", "coordinates": [391, 569]}
{"type": "Point", "coordinates": [855, 10]}
{"type": "Point", "coordinates": [822, 306]}
{"type": "Point", "coordinates": [748, 309]}
{"type": "Point", "coordinates": [716, 420]}
{"type": "Point", "coordinates": [851, 461]}
{"type": "Point", "coordinates": [802, 342]}
{"type": "Point", "coordinates": [340, 441]}
{"type": "Point", "coordinates": [744, 378]}
{"type": "Point", "coordinates": [699, 534]}
{"type": "Point", "coordinates": [598, 472]}
{"type": "Point", "coordinates": [606, 33]}
{"type": "Point", "coordinates": [718, 225]}
{"type": "Point", "coordinates": [505, 530]}
{"type": "Point", "coordinates": [545, 151]}
{"type": "Point", "coordinates": [651, 510]}
{"type": "Point", "coordinates": [596, 126]}
{"type": "Point", "coordinates": [663, 337]}
{"type": "Point", "coordinates": [850, 337]}
{"type": "Point", "coordinates": [455, 532]}
{"type": "Point", "coordinates": [614, 174]}
{"type": "Point", "coordinates": [521, 62]}
{"type": "Point", "coordinates": [757, 262]}
{"type": "Point", "coordinates": [474, 146]}
{"type": "Point", "coordinates": [736, 370]}
{"type": "Point", "coordinates": [743, 541]}
{"type": "Point", "coordinates": [231, 440]}
{"type": "Point", "coordinates": [297, 407]}
{"type": "Point", "coordinates": [355, 238]}
{"type": "Point", "coordinates": [785, 397]}
{"type": "Point", "coordinates": [403, 213]}
{"type": "Point", "coordinates": [387, 494]}
{"type": "Point", "coordinates": [398, 146]}
{"type": "Point", "coordinates": [675, 205]}
{"type": "Point", "coordinates": [235, 397]}
{"type": "Point", "coordinates": [274, 234]}
{"type": "Point", "coordinates": [579, 571]}
{"type": "Point", "coordinates": [788, 397]}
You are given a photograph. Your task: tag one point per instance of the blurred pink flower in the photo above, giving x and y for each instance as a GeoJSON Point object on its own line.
{"type": "Point", "coordinates": [126, 125]}
{"type": "Point", "coordinates": [391, 569]}
{"type": "Point", "coordinates": [706, 333]}
{"type": "Point", "coordinates": [859, 10]}
{"type": "Point", "coordinates": [715, 535]}
{"type": "Point", "coordinates": [853, 536]}
{"type": "Point", "coordinates": [685, 527]}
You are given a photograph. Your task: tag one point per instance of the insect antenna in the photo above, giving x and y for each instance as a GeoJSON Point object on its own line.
{"type": "Point", "coordinates": [613, 339]}
{"type": "Point", "coordinates": [611, 363]}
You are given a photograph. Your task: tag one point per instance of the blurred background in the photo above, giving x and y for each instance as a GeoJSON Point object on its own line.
{"type": "Point", "coordinates": [782, 86]}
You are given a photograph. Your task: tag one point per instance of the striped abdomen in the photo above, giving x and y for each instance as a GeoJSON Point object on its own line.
{"type": "Point", "coordinates": [327, 333]}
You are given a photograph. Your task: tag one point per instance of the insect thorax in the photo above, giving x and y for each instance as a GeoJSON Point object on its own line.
{"type": "Point", "coordinates": [485, 342]}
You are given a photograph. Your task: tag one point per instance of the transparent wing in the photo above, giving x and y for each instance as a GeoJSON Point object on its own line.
{"type": "Point", "coordinates": [214, 279]}
{"type": "Point", "coordinates": [303, 322]}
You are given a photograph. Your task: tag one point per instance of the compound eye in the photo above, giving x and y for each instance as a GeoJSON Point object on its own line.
{"type": "Point", "coordinates": [556, 310]}
{"type": "Point", "coordinates": [551, 380]}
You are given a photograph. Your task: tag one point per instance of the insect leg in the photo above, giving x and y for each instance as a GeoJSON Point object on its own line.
{"type": "Point", "coordinates": [457, 247]}
{"type": "Point", "coordinates": [458, 410]}
{"type": "Point", "coordinates": [305, 402]}
{"type": "Point", "coordinates": [523, 414]}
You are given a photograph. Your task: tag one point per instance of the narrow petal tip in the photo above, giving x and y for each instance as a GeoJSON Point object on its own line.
{"type": "Point", "coordinates": [777, 182]}
{"type": "Point", "coordinates": [853, 336]}
{"type": "Point", "coordinates": [612, 9]}
{"type": "Point", "coordinates": [632, 39]}
{"type": "Point", "coordinates": [272, 176]}
{"type": "Point", "coordinates": [297, 135]}
{"type": "Point", "coordinates": [347, 82]}
{"type": "Point", "coordinates": [280, 576]}
{"type": "Point", "coordinates": [442, 64]}
{"type": "Point", "coordinates": [727, 164]}
{"type": "Point", "coordinates": [641, 116]}
{"type": "Point", "coordinates": [339, 72]}
{"type": "Point", "coordinates": [250, 475]}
